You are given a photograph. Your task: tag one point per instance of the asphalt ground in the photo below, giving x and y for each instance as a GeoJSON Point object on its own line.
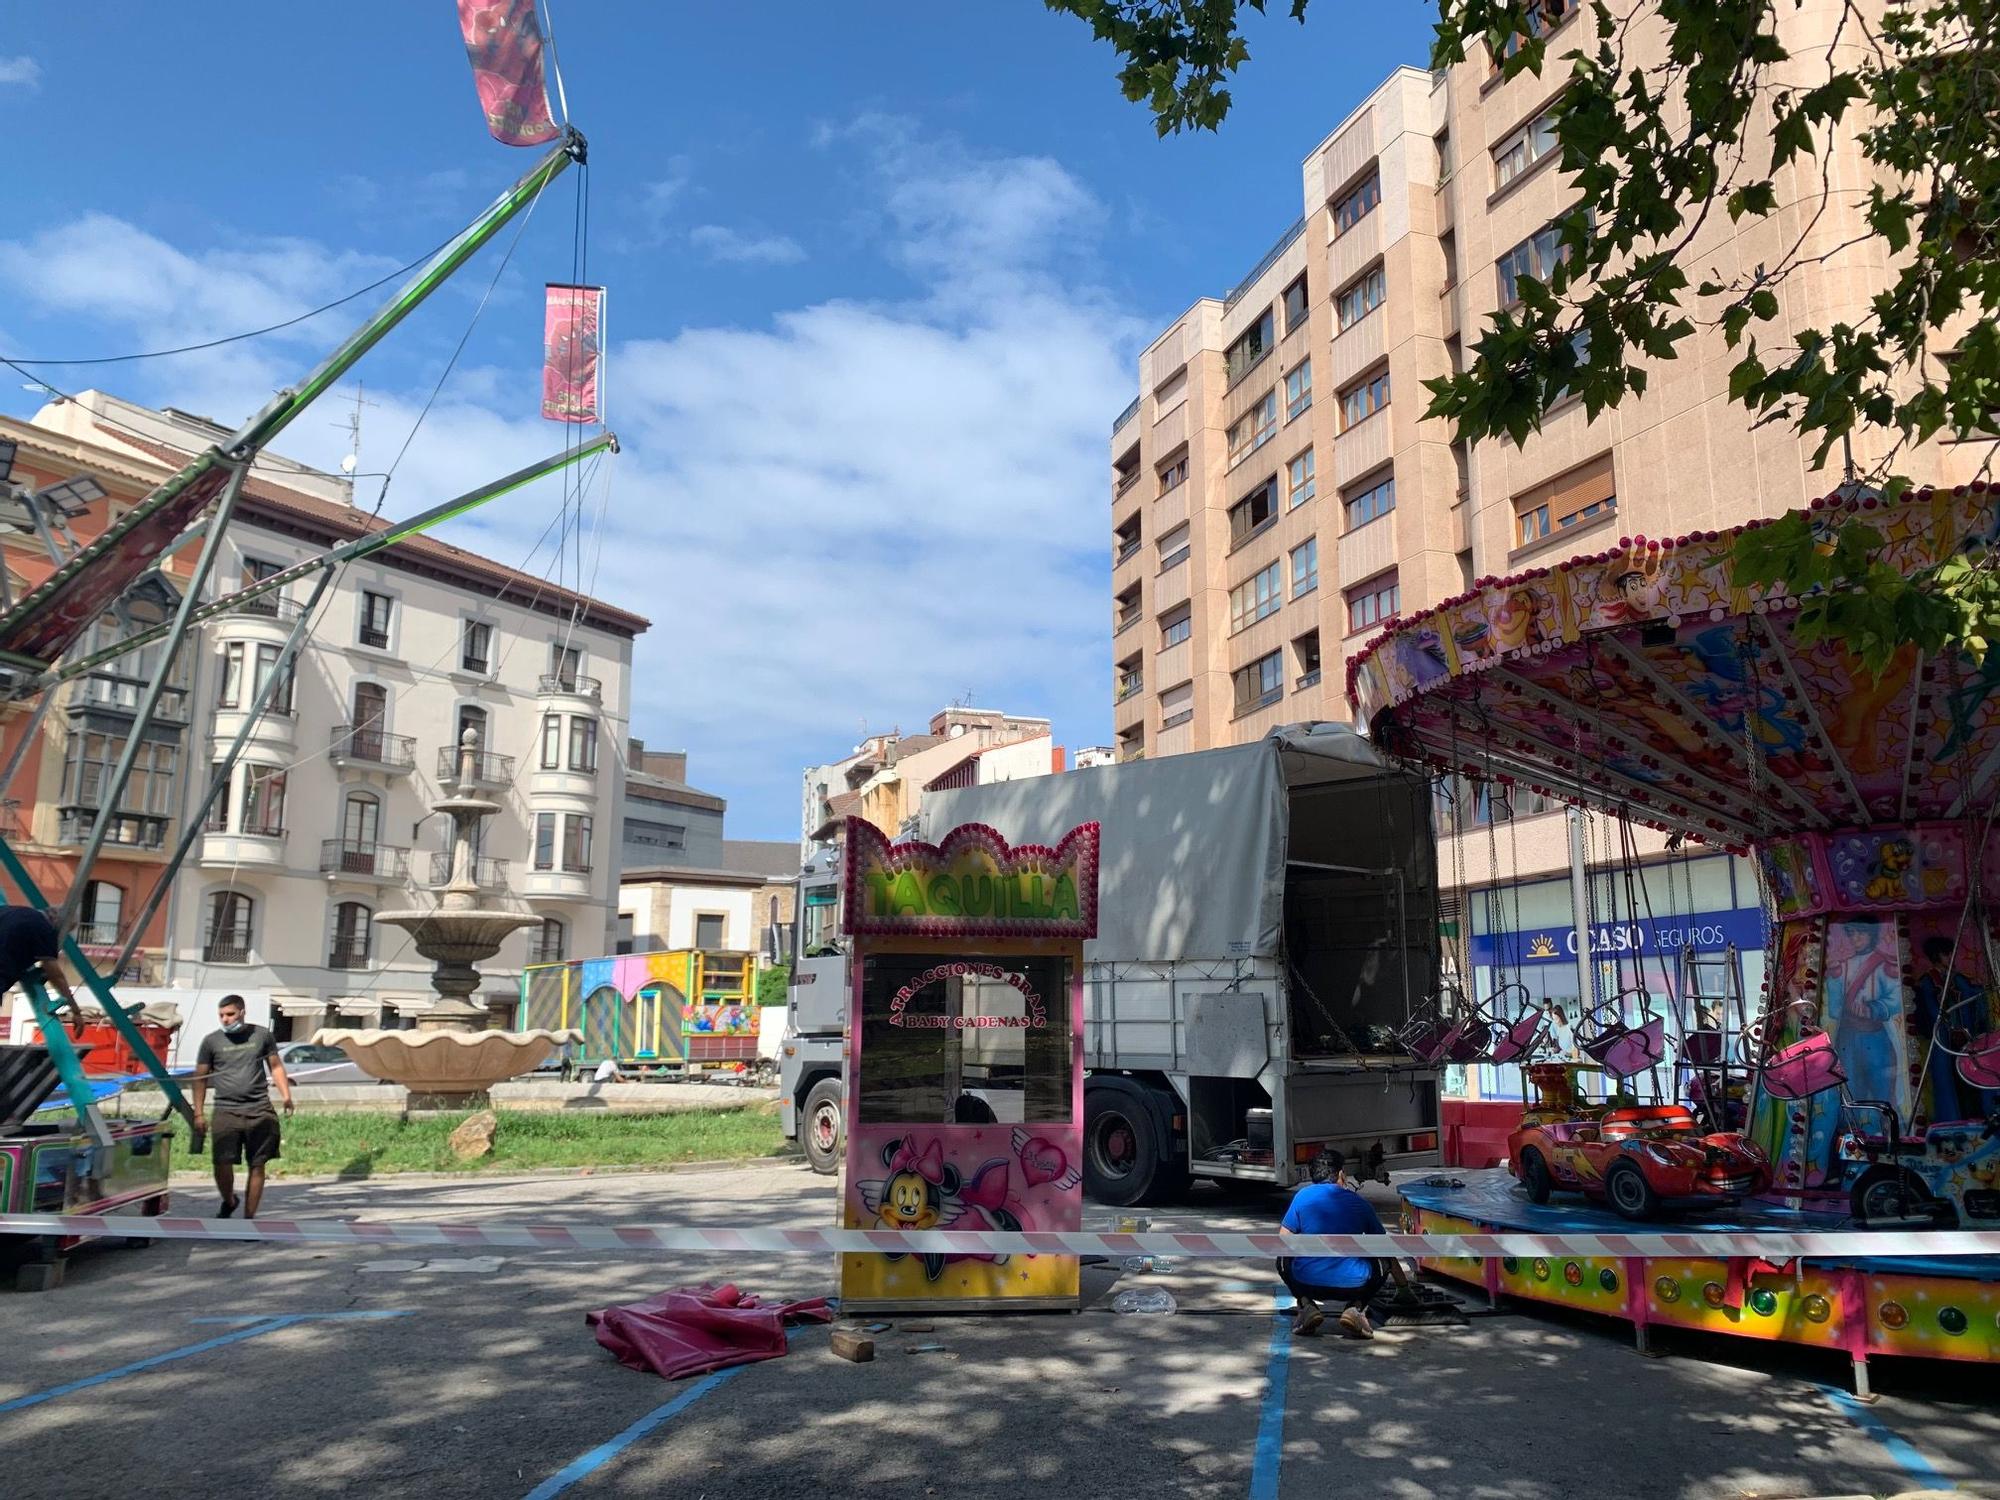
{"type": "Point", "coordinates": [384, 1371]}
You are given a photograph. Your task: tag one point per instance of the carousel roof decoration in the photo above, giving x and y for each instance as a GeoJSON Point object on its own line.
{"type": "Point", "coordinates": [1643, 678]}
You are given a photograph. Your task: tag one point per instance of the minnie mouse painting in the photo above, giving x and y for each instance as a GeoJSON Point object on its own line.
{"type": "Point", "coordinates": [923, 1191]}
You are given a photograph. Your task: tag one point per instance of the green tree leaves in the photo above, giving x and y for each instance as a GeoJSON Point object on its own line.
{"type": "Point", "coordinates": [1674, 112]}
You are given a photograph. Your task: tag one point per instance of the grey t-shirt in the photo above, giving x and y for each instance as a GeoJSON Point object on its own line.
{"type": "Point", "coordinates": [236, 1067]}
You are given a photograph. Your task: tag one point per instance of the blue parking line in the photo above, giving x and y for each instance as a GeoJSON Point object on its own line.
{"type": "Point", "coordinates": [1271, 1421]}
{"type": "Point", "coordinates": [256, 1328]}
{"type": "Point", "coordinates": [1898, 1447]}
{"type": "Point", "coordinates": [604, 1452]}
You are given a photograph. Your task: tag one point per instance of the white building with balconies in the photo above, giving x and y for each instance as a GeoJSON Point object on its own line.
{"type": "Point", "coordinates": [325, 819]}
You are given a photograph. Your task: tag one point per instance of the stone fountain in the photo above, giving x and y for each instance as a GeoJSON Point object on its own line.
{"type": "Point", "coordinates": [452, 1059]}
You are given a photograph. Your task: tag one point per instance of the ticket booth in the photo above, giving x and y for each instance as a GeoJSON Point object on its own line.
{"type": "Point", "coordinates": [965, 1061]}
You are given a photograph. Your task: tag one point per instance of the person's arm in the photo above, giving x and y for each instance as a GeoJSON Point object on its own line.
{"type": "Point", "coordinates": [1394, 1264]}
{"type": "Point", "coordinates": [198, 1085]}
{"type": "Point", "coordinates": [278, 1079]}
{"type": "Point", "coordinates": [53, 976]}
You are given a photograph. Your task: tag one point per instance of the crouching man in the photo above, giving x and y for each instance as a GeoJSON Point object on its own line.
{"type": "Point", "coordinates": [233, 1061]}
{"type": "Point", "coordinates": [1329, 1204]}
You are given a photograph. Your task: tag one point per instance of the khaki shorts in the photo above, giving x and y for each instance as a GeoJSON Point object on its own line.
{"type": "Point", "coordinates": [240, 1135]}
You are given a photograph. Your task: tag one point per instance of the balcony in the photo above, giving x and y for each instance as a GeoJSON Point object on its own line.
{"type": "Point", "coordinates": [373, 750]}
{"type": "Point", "coordinates": [1125, 416]}
{"type": "Point", "coordinates": [226, 953]}
{"type": "Point", "coordinates": [272, 606]}
{"type": "Point", "coordinates": [557, 885]}
{"type": "Point", "coordinates": [101, 934]}
{"type": "Point", "coordinates": [1125, 553]}
{"type": "Point", "coordinates": [1310, 679]}
{"type": "Point", "coordinates": [1124, 622]}
{"type": "Point", "coordinates": [571, 685]}
{"type": "Point", "coordinates": [1127, 686]}
{"type": "Point", "coordinates": [487, 769]}
{"type": "Point", "coordinates": [352, 955]}
{"type": "Point", "coordinates": [127, 830]}
{"type": "Point", "coordinates": [351, 860]}
{"type": "Point", "coordinates": [487, 874]}
{"type": "Point", "coordinates": [114, 692]}
{"type": "Point", "coordinates": [246, 849]}
{"type": "Point", "coordinates": [540, 952]}
{"type": "Point", "coordinates": [1241, 289]}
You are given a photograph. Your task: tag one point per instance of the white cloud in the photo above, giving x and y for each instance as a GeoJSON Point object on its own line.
{"type": "Point", "coordinates": [23, 71]}
{"type": "Point", "coordinates": [719, 242]}
{"type": "Point", "coordinates": [855, 513]}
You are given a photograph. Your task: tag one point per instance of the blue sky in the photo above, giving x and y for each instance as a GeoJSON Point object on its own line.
{"type": "Point", "coordinates": [878, 276]}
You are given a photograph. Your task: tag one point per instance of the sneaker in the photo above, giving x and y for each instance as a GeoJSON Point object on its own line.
{"type": "Point", "coordinates": [1355, 1321]}
{"type": "Point", "coordinates": [228, 1208]}
{"type": "Point", "coordinates": [1306, 1321]}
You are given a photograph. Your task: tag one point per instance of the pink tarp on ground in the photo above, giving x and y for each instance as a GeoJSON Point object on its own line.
{"type": "Point", "coordinates": [691, 1331]}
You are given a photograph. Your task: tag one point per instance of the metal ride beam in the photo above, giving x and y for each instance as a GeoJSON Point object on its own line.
{"type": "Point", "coordinates": [375, 541]}
{"type": "Point", "coordinates": [95, 983]}
{"type": "Point", "coordinates": [112, 794]}
{"type": "Point", "coordinates": [19, 642]}
{"type": "Point", "coordinates": [218, 777]}
{"type": "Point", "coordinates": [68, 1061]}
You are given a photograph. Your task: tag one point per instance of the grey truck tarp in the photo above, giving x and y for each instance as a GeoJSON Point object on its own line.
{"type": "Point", "coordinates": [1194, 846]}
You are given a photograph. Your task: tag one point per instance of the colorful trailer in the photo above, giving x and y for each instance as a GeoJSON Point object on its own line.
{"type": "Point", "coordinates": [684, 1010]}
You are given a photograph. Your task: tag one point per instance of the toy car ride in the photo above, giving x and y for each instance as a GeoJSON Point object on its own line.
{"type": "Point", "coordinates": [1944, 1177]}
{"type": "Point", "coordinates": [1637, 1157]}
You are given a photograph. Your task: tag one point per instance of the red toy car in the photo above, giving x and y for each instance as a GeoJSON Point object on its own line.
{"type": "Point", "coordinates": [1637, 1157]}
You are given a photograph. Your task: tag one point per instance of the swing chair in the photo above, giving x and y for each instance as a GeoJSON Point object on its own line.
{"type": "Point", "coordinates": [1799, 1069]}
{"type": "Point", "coordinates": [1621, 1049]}
{"type": "Point", "coordinates": [1517, 1039]}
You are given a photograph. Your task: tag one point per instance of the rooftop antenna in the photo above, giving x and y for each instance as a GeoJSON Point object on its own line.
{"type": "Point", "coordinates": [351, 461]}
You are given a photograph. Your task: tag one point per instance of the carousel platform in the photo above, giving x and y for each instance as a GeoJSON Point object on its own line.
{"type": "Point", "coordinates": [1858, 1306]}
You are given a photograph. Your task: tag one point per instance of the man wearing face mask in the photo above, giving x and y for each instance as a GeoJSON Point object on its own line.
{"type": "Point", "coordinates": [245, 1127]}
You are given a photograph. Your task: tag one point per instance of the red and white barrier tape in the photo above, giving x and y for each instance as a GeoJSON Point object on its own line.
{"type": "Point", "coordinates": [530, 1236]}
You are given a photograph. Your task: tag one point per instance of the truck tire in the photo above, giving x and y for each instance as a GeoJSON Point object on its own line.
{"type": "Point", "coordinates": [822, 1127]}
{"type": "Point", "coordinates": [1126, 1150]}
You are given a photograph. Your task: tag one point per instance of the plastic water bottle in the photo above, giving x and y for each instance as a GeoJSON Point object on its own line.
{"type": "Point", "coordinates": [1151, 1299]}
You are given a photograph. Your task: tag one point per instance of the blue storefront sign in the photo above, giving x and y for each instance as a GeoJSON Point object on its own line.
{"type": "Point", "coordinates": [1652, 937]}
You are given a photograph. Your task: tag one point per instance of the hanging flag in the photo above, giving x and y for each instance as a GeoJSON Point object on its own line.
{"type": "Point", "coordinates": [504, 41]}
{"type": "Point", "coordinates": [572, 345]}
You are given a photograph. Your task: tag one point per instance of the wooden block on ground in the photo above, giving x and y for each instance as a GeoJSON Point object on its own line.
{"type": "Point", "coordinates": [855, 1346]}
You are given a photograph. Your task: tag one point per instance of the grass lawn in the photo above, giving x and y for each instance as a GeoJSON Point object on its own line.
{"type": "Point", "coordinates": [355, 1144]}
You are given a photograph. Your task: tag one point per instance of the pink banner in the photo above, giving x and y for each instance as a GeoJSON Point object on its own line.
{"type": "Point", "coordinates": [504, 41]}
{"type": "Point", "coordinates": [572, 334]}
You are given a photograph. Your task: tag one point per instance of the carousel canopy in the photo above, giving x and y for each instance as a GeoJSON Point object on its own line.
{"type": "Point", "coordinates": [1643, 681]}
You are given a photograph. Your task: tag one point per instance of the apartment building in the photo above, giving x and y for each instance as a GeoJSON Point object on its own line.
{"type": "Point", "coordinates": [56, 493]}
{"type": "Point", "coordinates": [327, 818]}
{"type": "Point", "coordinates": [884, 778]}
{"type": "Point", "coordinates": [1277, 493]}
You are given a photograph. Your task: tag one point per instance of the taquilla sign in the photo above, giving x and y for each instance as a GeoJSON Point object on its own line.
{"type": "Point", "coordinates": [974, 884]}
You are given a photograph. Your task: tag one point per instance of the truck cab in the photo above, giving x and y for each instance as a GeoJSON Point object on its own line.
{"type": "Point", "coordinates": [810, 1097]}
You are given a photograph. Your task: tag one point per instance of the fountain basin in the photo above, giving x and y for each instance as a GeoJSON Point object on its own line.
{"type": "Point", "coordinates": [446, 1069]}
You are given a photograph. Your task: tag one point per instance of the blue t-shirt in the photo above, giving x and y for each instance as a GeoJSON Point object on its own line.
{"type": "Point", "coordinates": [1328, 1208]}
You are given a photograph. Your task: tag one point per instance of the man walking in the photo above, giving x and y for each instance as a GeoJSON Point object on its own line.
{"type": "Point", "coordinates": [245, 1127]}
{"type": "Point", "coordinates": [29, 944]}
{"type": "Point", "coordinates": [1330, 1205]}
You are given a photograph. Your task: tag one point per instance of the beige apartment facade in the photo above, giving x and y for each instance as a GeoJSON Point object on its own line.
{"type": "Point", "coordinates": [1276, 490]}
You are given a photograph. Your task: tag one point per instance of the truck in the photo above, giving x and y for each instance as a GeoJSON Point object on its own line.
{"type": "Point", "coordinates": [1267, 926]}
